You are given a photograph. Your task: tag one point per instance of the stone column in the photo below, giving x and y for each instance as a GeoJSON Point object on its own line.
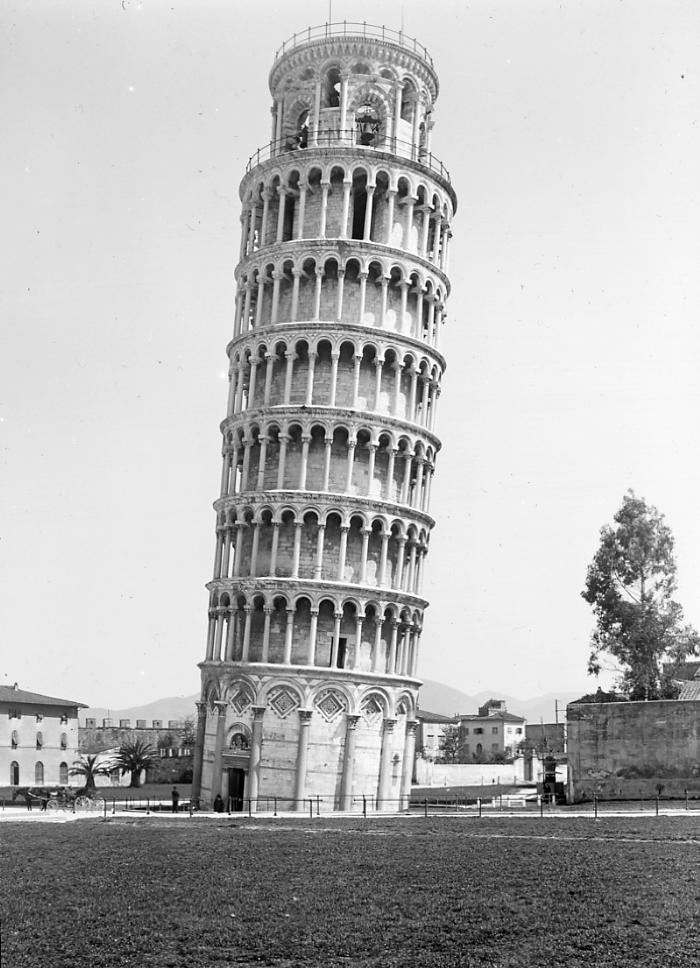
{"type": "Point", "coordinates": [317, 112]}
{"type": "Point", "coordinates": [351, 458]}
{"type": "Point", "coordinates": [313, 629]}
{"type": "Point", "coordinates": [259, 302]}
{"type": "Point", "coordinates": [398, 367]}
{"type": "Point", "coordinates": [347, 186]}
{"type": "Point", "coordinates": [338, 616]}
{"type": "Point", "coordinates": [296, 553]}
{"type": "Point", "coordinates": [384, 787]}
{"type": "Point", "coordinates": [359, 622]}
{"type": "Point", "coordinates": [335, 356]}
{"type": "Point", "coordinates": [289, 356]}
{"type": "Point", "coordinates": [385, 280]}
{"type": "Point", "coordinates": [328, 442]}
{"type": "Point", "coordinates": [363, 555]}
{"type": "Point", "coordinates": [217, 556]}
{"type": "Point", "coordinates": [198, 753]}
{"type": "Point", "coordinates": [363, 296]}
{"type": "Point", "coordinates": [283, 438]}
{"type": "Point", "coordinates": [288, 634]}
{"type": "Point", "coordinates": [230, 635]}
{"type": "Point", "coordinates": [381, 578]}
{"type": "Point", "coordinates": [370, 467]}
{"type": "Point", "coordinates": [348, 762]}
{"type": "Point", "coordinates": [403, 312]}
{"type": "Point", "coordinates": [339, 298]}
{"type": "Point", "coordinates": [219, 634]}
{"type": "Point", "coordinates": [325, 186]}
{"type": "Point", "coordinates": [391, 198]}
{"type": "Point", "coordinates": [266, 211]}
{"type": "Point", "coordinates": [237, 553]}
{"type": "Point", "coordinates": [409, 752]}
{"type": "Point", "coordinates": [260, 484]}
{"type": "Point", "coordinates": [377, 643]}
{"type": "Point", "coordinates": [310, 379]}
{"type": "Point", "coordinates": [246, 633]}
{"type": "Point", "coordinates": [282, 192]}
{"type": "Point", "coordinates": [390, 473]}
{"type": "Point", "coordinates": [218, 748]}
{"type": "Point", "coordinates": [275, 545]}
{"type": "Point", "coordinates": [342, 551]}
{"type": "Point", "coordinates": [409, 201]}
{"type": "Point", "coordinates": [400, 561]}
{"type": "Point", "coordinates": [266, 634]}
{"type": "Point", "coordinates": [252, 379]}
{"type": "Point", "coordinates": [297, 274]}
{"type": "Point", "coordinates": [277, 277]}
{"type": "Point", "coordinates": [343, 106]}
{"type": "Point", "coordinates": [268, 378]}
{"type": "Point", "coordinates": [304, 463]}
{"type": "Point", "coordinates": [254, 549]}
{"type": "Point", "coordinates": [391, 662]}
{"type": "Point", "coordinates": [368, 213]}
{"type": "Point", "coordinates": [302, 754]}
{"type": "Point", "coordinates": [318, 567]}
{"type": "Point", "coordinates": [255, 752]}
{"type": "Point", "coordinates": [303, 188]}
{"type": "Point", "coordinates": [356, 380]}
{"type": "Point", "coordinates": [317, 293]}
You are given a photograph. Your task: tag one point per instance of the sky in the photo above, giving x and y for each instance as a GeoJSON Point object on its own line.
{"type": "Point", "coordinates": [572, 136]}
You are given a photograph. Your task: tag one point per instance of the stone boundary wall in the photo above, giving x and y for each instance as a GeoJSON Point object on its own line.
{"type": "Point", "coordinates": [467, 774]}
{"type": "Point", "coordinates": [633, 750]}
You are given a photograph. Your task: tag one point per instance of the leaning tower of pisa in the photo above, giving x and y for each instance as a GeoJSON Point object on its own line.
{"type": "Point", "coordinates": [323, 519]}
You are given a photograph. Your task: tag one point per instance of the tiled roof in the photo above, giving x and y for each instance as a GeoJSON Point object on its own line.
{"type": "Point", "coordinates": [504, 717]}
{"type": "Point", "coordinates": [12, 694]}
{"type": "Point", "coordinates": [690, 690]}
{"type": "Point", "coordinates": [426, 717]}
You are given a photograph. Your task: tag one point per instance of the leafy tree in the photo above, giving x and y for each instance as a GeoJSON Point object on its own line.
{"type": "Point", "coordinates": [134, 756]}
{"type": "Point", "coordinates": [89, 769]}
{"type": "Point", "coordinates": [449, 745]}
{"type": "Point", "coordinates": [630, 584]}
{"type": "Point", "coordinates": [189, 732]}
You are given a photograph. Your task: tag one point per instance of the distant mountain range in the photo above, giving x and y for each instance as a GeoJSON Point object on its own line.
{"type": "Point", "coordinates": [434, 697]}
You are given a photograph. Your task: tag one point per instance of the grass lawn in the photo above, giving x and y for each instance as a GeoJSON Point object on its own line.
{"type": "Point", "coordinates": [409, 892]}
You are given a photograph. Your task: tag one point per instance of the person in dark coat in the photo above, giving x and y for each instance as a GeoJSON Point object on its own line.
{"type": "Point", "coordinates": [218, 804]}
{"type": "Point", "coordinates": [175, 797]}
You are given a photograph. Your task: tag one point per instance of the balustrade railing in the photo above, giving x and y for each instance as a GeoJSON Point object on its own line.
{"type": "Point", "coordinates": [353, 28]}
{"type": "Point", "coordinates": [349, 138]}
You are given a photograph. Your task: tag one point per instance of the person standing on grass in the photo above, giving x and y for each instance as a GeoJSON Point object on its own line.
{"type": "Point", "coordinates": [175, 795]}
{"type": "Point", "coordinates": [28, 797]}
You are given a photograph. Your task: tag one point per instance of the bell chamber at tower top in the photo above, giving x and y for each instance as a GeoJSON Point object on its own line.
{"type": "Point", "coordinates": [353, 86]}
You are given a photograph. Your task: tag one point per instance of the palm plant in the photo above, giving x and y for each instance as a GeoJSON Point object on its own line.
{"type": "Point", "coordinates": [89, 768]}
{"type": "Point", "coordinates": [133, 757]}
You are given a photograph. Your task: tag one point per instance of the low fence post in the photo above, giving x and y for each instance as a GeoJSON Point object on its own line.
{"type": "Point", "coordinates": [318, 805]}
{"type": "Point", "coordinates": [364, 806]}
{"type": "Point", "coordinates": [686, 798]}
{"type": "Point", "coordinates": [657, 804]}
{"type": "Point", "coordinates": [540, 800]}
{"type": "Point", "coordinates": [250, 807]}
{"type": "Point", "coordinates": [425, 807]}
{"type": "Point", "coordinates": [275, 803]}
{"type": "Point", "coordinates": [595, 806]}
{"type": "Point", "coordinates": [311, 808]}
{"type": "Point", "coordinates": [148, 805]}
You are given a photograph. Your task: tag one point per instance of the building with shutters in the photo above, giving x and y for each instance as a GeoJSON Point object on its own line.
{"type": "Point", "coordinates": [38, 738]}
{"type": "Point", "coordinates": [309, 685]}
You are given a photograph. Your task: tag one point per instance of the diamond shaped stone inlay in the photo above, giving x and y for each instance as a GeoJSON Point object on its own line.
{"type": "Point", "coordinates": [372, 710]}
{"type": "Point", "coordinates": [283, 702]}
{"type": "Point", "coordinates": [330, 704]}
{"type": "Point", "coordinates": [241, 699]}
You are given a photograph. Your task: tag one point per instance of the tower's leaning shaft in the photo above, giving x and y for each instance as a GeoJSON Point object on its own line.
{"type": "Point", "coordinates": [316, 611]}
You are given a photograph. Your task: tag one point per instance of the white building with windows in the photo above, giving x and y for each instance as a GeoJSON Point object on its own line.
{"type": "Point", "coordinates": [38, 738]}
{"type": "Point", "coordinates": [491, 733]}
